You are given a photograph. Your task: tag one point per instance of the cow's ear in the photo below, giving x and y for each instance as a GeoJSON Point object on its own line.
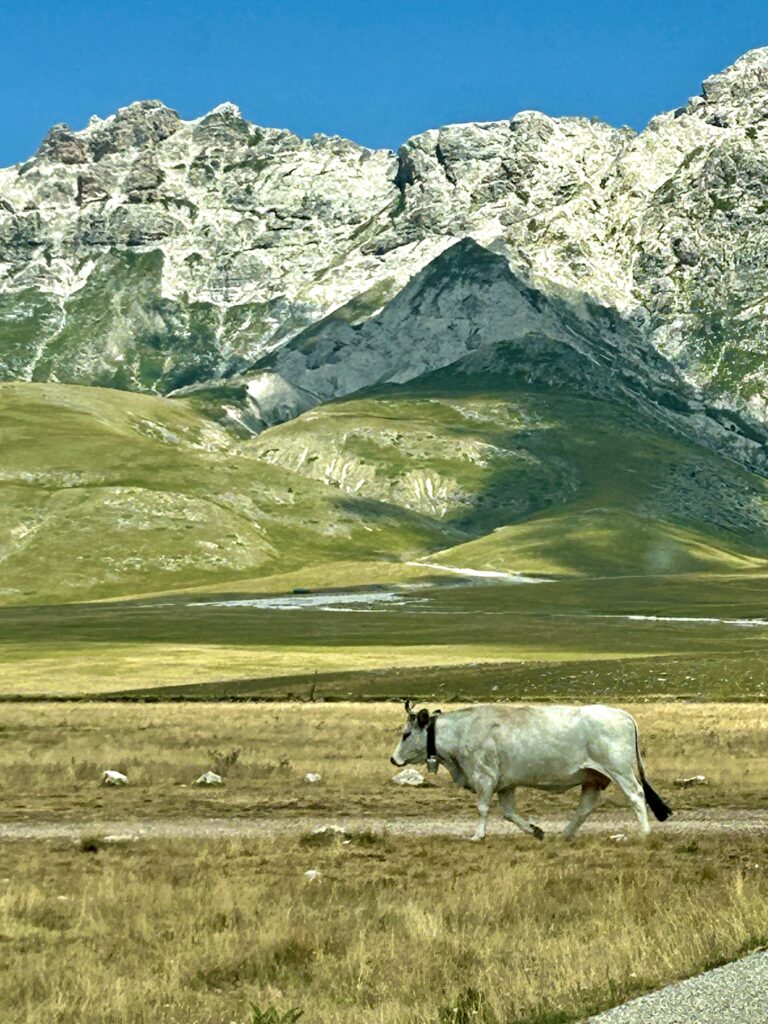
{"type": "Point", "coordinates": [422, 718]}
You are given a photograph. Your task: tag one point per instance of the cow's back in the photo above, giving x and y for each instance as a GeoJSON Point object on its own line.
{"type": "Point", "coordinates": [542, 745]}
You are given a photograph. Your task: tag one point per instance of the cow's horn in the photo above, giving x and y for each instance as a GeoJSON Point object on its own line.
{"type": "Point", "coordinates": [408, 705]}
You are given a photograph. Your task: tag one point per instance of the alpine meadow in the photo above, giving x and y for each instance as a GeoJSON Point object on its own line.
{"type": "Point", "coordinates": [292, 430]}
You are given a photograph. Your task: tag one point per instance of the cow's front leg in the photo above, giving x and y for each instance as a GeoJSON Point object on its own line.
{"type": "Point", "coordinates": [484, 789]}
{"type": "Point", "coordinates": [507, 804]}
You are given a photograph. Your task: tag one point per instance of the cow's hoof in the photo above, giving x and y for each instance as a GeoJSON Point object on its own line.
{"type": "Point", "coordinates": [537, 832]}
{"type": "Point", "coordinates": [477, 839]}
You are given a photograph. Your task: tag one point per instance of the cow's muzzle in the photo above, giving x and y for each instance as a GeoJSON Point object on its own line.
{"type": "Point", "coordinates": [395, 763]}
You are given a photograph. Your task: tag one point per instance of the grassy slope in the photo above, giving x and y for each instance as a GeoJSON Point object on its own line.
{"type": "Point", "coordinates": [571, 485]}
{"type": "Point", "coordinates": [107, 494]}
{"type": "Point", "coordinates": [104, 493]}
{"type": "Point", "coordinates": [606, 541]}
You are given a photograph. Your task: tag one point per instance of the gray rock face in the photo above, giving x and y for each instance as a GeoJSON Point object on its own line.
{"type": "Point", "coordinates": [150, 253]}
{"type": "Point", "coordinates": [469, 313]}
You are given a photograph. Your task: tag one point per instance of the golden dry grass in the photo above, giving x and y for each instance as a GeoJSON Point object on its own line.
{"type": "Point", "coordinates": [393, 932]}
{"type": "Point", "coordinates": [52, 756]}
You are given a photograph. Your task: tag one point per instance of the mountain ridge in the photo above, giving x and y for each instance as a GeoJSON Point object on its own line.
{"type": "Point", "coordinates": [241, 236]}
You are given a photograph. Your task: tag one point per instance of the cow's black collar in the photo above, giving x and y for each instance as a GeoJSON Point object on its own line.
{"type": "Point", "coordinates": [432, 757]}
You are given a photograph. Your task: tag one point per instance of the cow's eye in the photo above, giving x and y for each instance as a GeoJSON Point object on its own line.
{"type": "Point", "coordinates": [406, 734]}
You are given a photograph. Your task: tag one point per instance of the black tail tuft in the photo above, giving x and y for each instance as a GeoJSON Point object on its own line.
{"type": "Point", "coordinates": [654, 801]}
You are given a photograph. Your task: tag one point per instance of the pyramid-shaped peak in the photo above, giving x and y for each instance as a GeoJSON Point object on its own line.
{"type": "Point", "coordinates": [226, 109]}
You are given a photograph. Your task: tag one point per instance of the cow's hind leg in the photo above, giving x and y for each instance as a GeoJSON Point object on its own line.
{"type": "Point", "coordinates": [507, 804]}
{"type": "Point", "coordinates": [484, 792]}
{"type": "Point", "coordinates": [633, 791]}
{"type": "Point", "coordinates": [590, 794]}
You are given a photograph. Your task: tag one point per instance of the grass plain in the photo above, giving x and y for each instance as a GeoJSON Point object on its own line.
{"type": "Point", "coordinates": [406, 931]}
{"type": "Point", "coordinates": [396, 930]}
{"type": "Point", "coordinates": [52, 757]}
{"type": "Point", "coordinates": [618, 638]}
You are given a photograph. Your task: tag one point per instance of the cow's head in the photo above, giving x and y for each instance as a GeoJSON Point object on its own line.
{"type": "Point", "coordinates": [412, 748]}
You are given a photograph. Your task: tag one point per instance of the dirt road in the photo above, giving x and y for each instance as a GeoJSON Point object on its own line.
{"type": "Point", "coordinates": [701, 822]}
{"type": "Point", "coordinates": [734, 994]}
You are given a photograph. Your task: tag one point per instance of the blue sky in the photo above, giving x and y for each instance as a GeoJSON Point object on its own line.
{"type": "Point", "coordinates": [376, 72]}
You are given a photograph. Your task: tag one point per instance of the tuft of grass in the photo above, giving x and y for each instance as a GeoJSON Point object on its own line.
{"type": "Point", "coordinates": [470, 1007]}
{"type": "Point", "coordinates": [223, 763]}
{"type": "Point", "coordinates": [369, 838]}
{"type": "Point", "coordinates": [327, 838]}
{"type": "Point", "coordinates": [273, 1016]}
{"type": "Point", "coordinates": [91, 844]}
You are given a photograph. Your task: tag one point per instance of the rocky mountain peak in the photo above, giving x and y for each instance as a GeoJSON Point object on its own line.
{"type": "Point", "coordinates": [150, 253]}
{"type": "Point", "coordinates": [226, 110]}
{"type": "Point", "coordinates": [138, 126]}
{"type": "Point", "coordinates": [735, 98]}
{"type": "Point", "coordinates": [740, 92]}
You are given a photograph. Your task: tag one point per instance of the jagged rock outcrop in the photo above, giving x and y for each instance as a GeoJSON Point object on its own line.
{"type": "Point", "coordinates": [150, 253]}
{"type": "Point", "coordinates": [469, 312]}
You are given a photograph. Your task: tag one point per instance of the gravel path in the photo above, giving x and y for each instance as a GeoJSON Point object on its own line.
{"type": "Point", "coordinates": [618, 825]}
{"type": "Point", "coordinates": [734, 994]}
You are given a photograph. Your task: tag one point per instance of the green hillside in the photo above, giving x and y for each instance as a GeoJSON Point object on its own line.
{"type": "Point", "coordinates": [603, 542]}
{"type": "Point", "coordinates": [544, 481]}
{"type": "Point", "coordinates": [108, 493]}
{"type": "Point", "coordinates": [105, 493]}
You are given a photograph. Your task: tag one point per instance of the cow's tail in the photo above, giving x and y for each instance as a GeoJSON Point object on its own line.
{"type": "Point", "coordinates": [661, 809]}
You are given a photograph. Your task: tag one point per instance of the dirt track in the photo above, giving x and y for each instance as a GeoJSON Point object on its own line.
{"type": "Point", "coordinates": [701, 822]}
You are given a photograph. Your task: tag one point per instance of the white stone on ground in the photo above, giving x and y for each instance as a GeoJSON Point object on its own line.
{"type": "Point", "coordinates": [113, 778]}
{"type": "Point", "coordinates": [693, 780]}
{"type": "Point", "coordinates": [209, 779]}
{"type": "Point", "coordinates": [409, 777]}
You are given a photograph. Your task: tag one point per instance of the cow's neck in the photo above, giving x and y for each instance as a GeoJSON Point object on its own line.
{"type": "Point", "coordinates": [448, 744]}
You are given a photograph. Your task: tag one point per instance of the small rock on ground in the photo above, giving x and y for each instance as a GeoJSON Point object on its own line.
{"type": "Point", "coordinates": [209, 779]}
{"type": "Point", "coordinates": [409, 777]}
{"type": "Point", "coordinates": [113, 778]}
{"type": "Point", "coordinates": [692, 780]}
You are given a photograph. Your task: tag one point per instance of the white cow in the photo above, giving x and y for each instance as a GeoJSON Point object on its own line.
{"type": "Point", "coordinates": [495, 748]}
